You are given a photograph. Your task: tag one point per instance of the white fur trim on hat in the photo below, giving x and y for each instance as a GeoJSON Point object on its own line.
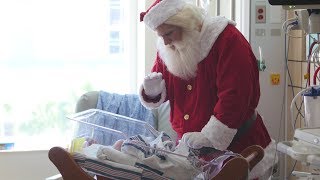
{"type": "Point", "coordinates": [210, 31]}
{"type": "Point", "coordinates": [151, 105]}
{"type": "Point", "coordinates": [159, 13]}
{"type": "Point", "coordinates": [219, 134]}
{"type": "Point", "coordinates": [270, 158]}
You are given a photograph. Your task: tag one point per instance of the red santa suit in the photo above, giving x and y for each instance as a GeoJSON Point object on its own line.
{"type": "Point", "coordinates": [225, 93]}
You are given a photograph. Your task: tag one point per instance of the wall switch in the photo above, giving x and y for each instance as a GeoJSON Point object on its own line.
{"type": "Point", "coordinates": [275, 32]}
{"type": "Point", "coordinates": [260, 32]}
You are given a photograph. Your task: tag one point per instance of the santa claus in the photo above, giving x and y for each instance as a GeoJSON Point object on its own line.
{"type": "Point", "coordinates": [208, 72]}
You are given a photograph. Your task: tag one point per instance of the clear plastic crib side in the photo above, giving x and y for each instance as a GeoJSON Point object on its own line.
{"type": "Point", "coordinates": [101, 127]}
{"type": "Point", "coordinates": [106, 128]}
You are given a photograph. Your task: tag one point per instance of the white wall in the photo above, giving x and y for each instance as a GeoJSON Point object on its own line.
{"type": "Point", "coordinates": [26, 165]}
{"type": "Point", "coordinates": [272, 101]}
{"type": "Point", "coordinates": [273, 50]}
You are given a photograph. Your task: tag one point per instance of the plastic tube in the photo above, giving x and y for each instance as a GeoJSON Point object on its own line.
{"type": "Point", "coordinates": [315, 76]}
{"type": "Point", "coordinates": [292, 104]}
{"type": "Point", "coordinates": [309, 57]}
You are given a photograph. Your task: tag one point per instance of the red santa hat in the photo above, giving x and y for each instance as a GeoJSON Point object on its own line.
{"type": "Point", "coordinates": [160, 11]}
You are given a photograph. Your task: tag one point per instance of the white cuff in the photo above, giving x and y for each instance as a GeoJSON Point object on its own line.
{"type": "Point", "coordinates": [152, 105]}
{"type": "Point", "coordinates": [219, 134]}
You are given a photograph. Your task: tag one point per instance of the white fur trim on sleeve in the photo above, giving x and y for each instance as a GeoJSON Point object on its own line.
{"type": "Point", "coordinates": [219, 134]}
{"type": "Point", "coordinates": [151, 105]}
{"type": "Point", "coordinates": [270, 158]}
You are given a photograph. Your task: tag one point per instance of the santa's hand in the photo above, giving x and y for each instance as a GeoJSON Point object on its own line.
{"type": "Point", "coordinates": [196, 140]}
{"type": "Point", "coordinates": [153, 84]}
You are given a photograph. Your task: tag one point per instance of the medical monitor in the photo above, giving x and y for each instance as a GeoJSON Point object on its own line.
{"type": "Point", "coordinates": [297, 4]}
{"type": "Point", "coordinates": [293, 2]}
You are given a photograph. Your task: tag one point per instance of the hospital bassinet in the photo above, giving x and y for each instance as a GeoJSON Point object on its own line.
{"type": "Point", "coordinates": [72, 164]}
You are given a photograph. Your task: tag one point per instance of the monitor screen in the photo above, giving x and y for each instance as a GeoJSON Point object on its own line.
{"type": "Point", "coordinates": [293, 2]}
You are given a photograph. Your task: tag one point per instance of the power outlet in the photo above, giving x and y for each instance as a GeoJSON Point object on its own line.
{"type": "Point", "coordinates": [260, 14]}
{"type": "Point", "coordinates": [275, 79]}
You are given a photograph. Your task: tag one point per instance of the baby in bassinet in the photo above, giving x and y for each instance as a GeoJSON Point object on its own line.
{"type": "Point", "coordinates": [139, 151]}
{"type": "Point", "coordinates": [150, 150]}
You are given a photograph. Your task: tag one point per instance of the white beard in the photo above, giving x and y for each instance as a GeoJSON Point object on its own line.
{"type": "Point", "coordinates": [183, 59]}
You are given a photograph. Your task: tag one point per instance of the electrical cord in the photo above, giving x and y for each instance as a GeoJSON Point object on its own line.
{"type": "Point", "coordinates": [293, 120]}
{"type": "Point", "coordinates": [292, 89]}
{"type": "Point", "coordinates": [284, 24]}
{"type": "Point", "coordinates": [288, 27]}
{"type": "Point", "coordinates": [292, 169]}
{"type": "Point", "coordinates": [309, 58]}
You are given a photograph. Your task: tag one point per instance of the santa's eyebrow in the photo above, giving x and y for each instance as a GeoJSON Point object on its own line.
{"type": "Point", "coordinates": [168, 33]}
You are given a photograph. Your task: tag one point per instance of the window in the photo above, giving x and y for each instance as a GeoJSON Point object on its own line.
{"type": "Point", "coordinates": [114, 35]}
{"type": "Point", "coordinates": [115, 14]}
{"type": "Point", "coordinates": [51, 52]}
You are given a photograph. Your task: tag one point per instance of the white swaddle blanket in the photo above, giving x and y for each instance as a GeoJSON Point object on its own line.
{"type": "Point", "coordinates": [167, 165]}
{"type": "Point", "coordinates": [111, 154]}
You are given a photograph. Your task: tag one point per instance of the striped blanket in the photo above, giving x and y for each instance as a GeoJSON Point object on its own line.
{"type": "Point", "coordinates": [117, 171]}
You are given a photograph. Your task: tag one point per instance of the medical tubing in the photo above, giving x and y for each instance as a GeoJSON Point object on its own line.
{"type": "Point", "coordinates": [291, 106]}
{"type": "Point", "coordinates": [309, 61]}
{"type": "Point", "coordinates": [315, 76]}
{"type": "Point", "coordinates": [285, 25]}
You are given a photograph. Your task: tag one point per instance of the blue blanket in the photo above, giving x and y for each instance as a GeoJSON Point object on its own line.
{"type": "Point", "coordinates": [126, 105]}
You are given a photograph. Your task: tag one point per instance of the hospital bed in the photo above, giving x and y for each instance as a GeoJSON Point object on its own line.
{"type": "Point", "coordinates": [75, 165]}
